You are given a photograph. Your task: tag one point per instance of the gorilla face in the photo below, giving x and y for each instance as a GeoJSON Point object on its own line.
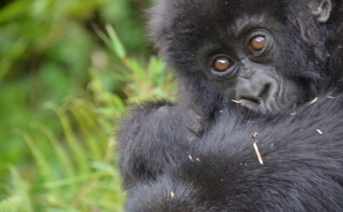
{"type": "Point", "coordinates": [262, 55]}
{"type": "Point", "coordinates": [247, 64]}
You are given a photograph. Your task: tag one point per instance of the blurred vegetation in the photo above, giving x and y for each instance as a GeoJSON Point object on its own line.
{"type": "Point", "coordinates": [68, 71]}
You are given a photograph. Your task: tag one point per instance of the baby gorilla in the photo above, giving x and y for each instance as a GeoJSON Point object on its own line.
{"type": "Point", "coordinates": [244, 67]}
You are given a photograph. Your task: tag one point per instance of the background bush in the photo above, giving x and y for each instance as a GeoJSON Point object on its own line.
{"type": "Point", "coordinates": [68, 71]}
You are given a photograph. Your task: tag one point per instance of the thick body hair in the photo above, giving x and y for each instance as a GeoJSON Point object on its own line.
{"type": "Point", "coordinates": [147, 144]}
{"type": "Point", "coordinates": [198, 154]}
{"type": "Point", "coordinates": [302, 166]}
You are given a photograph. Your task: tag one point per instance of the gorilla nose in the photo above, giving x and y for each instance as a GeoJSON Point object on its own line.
{"type": "Point", "coordinates": [254, 94]}
{"type": "Point", "coordinates": [265, 91]}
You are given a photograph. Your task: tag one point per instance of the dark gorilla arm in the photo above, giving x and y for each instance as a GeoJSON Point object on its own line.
{"type": "Point", "coordinates": [154, 136]}
{"type": "Point", "coordinates": [302, 166]}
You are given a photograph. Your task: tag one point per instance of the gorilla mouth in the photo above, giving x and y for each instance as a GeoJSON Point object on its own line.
{"type": "Point", "coordinates": [253, 104]}
{"type": "Point", "coordinates": [250, 100]}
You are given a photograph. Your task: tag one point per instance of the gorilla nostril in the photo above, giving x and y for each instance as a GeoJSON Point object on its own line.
{"type": "Point", "coordinates": [265, 91]}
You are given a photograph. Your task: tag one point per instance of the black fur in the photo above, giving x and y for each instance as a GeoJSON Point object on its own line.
{"type": "Point", "coordinates": [145, 139]}
{"type": "Point", "coordinates": [198, 154]}
{"type": "Point", "coordinates": [302, 166]}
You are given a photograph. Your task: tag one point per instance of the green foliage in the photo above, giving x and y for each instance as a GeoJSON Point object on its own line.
{"type": "Point", "coordinates": [63, 93]}
{"type": "Point", "coordinates": [12, 204]}
{"type": "Point", "coordinates": [143, 81]}
{"type": "Point", "coordinates": [79, 172]}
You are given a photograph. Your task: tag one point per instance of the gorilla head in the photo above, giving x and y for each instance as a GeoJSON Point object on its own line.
{"type": "Point", "coordinates": [265, 55]}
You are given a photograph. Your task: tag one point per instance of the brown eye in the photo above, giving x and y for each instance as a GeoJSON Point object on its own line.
{"type": "Point", "coordinates": [257, 43]}
{"type": "Point", "coordinates": [221, 64]}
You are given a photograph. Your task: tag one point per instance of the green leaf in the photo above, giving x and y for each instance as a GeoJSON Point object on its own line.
{"type": "Point", "coordinates": [117, 45]}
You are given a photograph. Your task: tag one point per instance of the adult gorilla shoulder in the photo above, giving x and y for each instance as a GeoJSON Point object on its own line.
{"type": "Point", "coordinates": [270, 56]}
{"type": "Point", "coordinates": [300, 166]}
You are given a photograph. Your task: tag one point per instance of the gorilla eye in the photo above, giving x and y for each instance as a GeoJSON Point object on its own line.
{"type": "Point", "coordinates": [257, 43]}
{"type": "Point", "coordinates": [221, 64]}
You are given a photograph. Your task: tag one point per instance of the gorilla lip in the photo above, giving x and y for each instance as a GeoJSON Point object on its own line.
{"type": "Point", "coordinates": [253, 104]}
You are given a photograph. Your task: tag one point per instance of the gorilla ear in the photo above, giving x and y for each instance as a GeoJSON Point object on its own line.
{"type": "Point", "coordinates": [321, 10]}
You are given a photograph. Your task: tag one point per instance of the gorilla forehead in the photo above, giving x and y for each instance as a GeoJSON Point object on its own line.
{"type": "Point", "coordinates": [217, 10]}
{"type": "Point", "coordinates": [174, 20]}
